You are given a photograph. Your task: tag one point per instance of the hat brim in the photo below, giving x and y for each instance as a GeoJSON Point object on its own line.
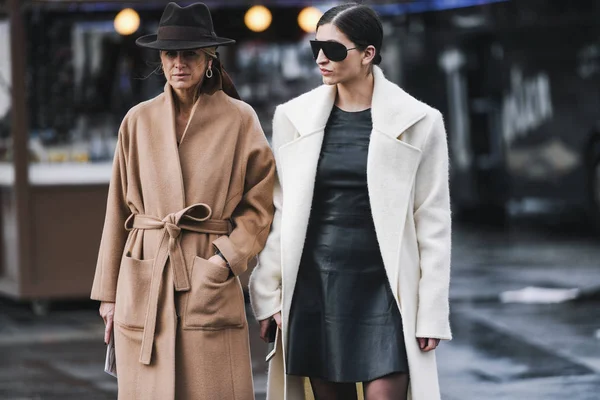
{"type": "Point", "coordinates": [152, 42]}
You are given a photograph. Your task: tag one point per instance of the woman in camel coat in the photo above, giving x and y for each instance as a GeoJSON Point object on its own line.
{"type": "Point", "coordinates": [406, 189]}
{"type": "Point", "coordinates": [189, 205]}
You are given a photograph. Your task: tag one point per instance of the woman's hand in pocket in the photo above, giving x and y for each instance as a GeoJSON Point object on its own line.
{"type": "Point", "coordinates": [107, 312]}
{"type": "Point", "coordinates": [216, 259]}
{"type": "Point", "coordinates": [264, 325]}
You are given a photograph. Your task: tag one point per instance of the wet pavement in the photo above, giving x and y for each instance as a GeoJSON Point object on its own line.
{"type": "Point", "coordinates": [508, 351]}
{"type": "Point", "coordinates": [521, 351]}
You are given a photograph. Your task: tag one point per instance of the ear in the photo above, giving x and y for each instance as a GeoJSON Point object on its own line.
{"type": "Point", "coordinates": [369, 55]}
{"type": "Point", "coordinates": [210, 62]}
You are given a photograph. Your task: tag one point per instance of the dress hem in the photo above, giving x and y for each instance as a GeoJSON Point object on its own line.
{"type": "Point", "coordinates": [369, 379]}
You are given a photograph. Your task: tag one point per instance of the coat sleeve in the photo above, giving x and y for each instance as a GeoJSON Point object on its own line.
{"type": "Point", "coordinates": [114, 234]}
{"type": "Point", "coordinates": [265, 281]}
{"type": "Point", "coordinates": [433, 227]}
{"type": "Point", "coordinates": [253, 215]}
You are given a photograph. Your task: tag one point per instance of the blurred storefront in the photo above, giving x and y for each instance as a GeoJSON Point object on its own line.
{"type": "Point", "coordinates": [519, 85]}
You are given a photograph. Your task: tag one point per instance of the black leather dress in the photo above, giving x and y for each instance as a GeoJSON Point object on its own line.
{"type": "Point", "coordinates": [344, 323]}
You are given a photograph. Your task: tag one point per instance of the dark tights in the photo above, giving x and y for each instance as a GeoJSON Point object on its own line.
{"type": "Point", "coordinates": [390, 387]}
{"type": "Point", "coordinates": [325, 390]}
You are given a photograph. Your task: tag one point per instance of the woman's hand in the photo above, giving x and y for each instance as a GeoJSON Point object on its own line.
{"type": "Point", "coordinates": [428, 344]}
{"type": "Point", "coordinates": [107, 312]}
{"type": "Point", "coordinates": [216, 259]}
{"type": "Point", "coordinates": [264, 325]}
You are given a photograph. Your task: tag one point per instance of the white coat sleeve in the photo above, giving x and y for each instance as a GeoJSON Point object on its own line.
{"type": "Point", "coordinates": [433, 227]}
{"type": "Point", "coordinates": [265, 282]}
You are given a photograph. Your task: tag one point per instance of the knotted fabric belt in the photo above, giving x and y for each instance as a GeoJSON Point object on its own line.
{"type": "Point", "coordinates": [195, 218]}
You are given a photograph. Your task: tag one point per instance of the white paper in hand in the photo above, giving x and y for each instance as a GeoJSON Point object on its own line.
{"type": "Point", "coordinates": [110, 364]}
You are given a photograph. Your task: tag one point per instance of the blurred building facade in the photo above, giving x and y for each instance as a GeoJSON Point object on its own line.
{"type": "Point", "coordinates": [518, 82]}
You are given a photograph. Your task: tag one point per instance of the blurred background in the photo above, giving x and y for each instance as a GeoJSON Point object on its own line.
{"type": "Point", "coordinates": [518, 82]}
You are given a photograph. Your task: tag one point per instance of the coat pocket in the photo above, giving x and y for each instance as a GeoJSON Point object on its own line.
{"type": "Point", "coordinates": [133, 287]}
{"type": "Point", "coordinates": [215, 300]}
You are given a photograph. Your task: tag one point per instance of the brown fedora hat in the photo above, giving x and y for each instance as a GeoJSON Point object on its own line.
{"type": "Point", "coordinates": [184, 28]}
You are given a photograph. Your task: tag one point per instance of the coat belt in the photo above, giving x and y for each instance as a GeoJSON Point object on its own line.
{"type": "Point", "coordinates": [195, 218]}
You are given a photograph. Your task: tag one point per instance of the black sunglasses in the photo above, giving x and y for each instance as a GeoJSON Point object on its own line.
{"type": "Point", "coordinates": [334, 51]}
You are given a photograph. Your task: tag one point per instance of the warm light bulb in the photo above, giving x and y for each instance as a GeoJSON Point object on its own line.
{"type": "Point", "coordinates": [308, 18]}
{"type": "Point", "coordinates": [258, 18]}
{"type": "Point", "coordinates": [127, 21]}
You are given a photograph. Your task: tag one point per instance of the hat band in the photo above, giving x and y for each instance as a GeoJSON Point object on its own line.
{"type": "Point", "coordinates": [183, 33]}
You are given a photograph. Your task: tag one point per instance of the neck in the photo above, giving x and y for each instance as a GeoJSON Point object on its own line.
{"type": "Point", "coordinates": [355, 95]}
{"type": "Point", "coordinates": [184, 100]}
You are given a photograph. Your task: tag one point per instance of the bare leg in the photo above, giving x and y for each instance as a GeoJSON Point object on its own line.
{"type": "Point", "coordinates": [390, 387]}
{"type": "Point", "coordinates": [325, 390]}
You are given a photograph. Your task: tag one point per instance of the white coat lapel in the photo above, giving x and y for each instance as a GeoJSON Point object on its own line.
{"type": "Point", "coordinates": [298, 161]}
{"type": "Point", "coordinates": [391, 167]}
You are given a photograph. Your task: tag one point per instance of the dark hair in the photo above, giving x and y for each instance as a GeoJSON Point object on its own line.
{"type": "Point", "coordinates": [359, 23]}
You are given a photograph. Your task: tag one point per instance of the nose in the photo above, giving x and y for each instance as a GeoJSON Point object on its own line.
{"type": "Point", "coordinates": [321, 58]}
{"type": "Point", "coordinates": [179, 60]}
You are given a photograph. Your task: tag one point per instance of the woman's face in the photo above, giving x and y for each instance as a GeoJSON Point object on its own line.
{"type": "Point", "coordinates": [184, 69]}
{"type": "Point", "coordinates": [348, 69]}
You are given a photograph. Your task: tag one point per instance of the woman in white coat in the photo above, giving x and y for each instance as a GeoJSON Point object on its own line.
{"type": "Point", "coordinates": [356, 268]}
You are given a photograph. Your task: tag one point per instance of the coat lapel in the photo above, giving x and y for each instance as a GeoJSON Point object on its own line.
{"type": "Point", "coordinates": [166, 161]}
{"type": "Point", "coordinates": [298, 163]}
{"type": "Point", "coordinates": [391, 168]}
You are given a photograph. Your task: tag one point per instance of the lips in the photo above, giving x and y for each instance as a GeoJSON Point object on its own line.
{"type": "Point", "coordinates": [325, 71]}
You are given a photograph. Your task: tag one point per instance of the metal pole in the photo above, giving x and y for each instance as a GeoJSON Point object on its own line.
{"type": "Point", "coordinates": [20, 135]}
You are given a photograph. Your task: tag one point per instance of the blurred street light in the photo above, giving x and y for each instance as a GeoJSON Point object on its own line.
{"type": "Point", "coordinates": [308, 18]}
{"type": "Point", "coordinates": [258, 18]}
{"type": "Point", "coordinates": [127, 22]}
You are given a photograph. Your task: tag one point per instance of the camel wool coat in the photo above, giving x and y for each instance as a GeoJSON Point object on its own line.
{"type": "Point", "coordinates": [407, 178]}
{"type": "Point", "coordinates": [180, 324]}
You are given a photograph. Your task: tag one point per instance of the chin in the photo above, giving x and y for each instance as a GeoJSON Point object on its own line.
{"type": "Point", "coordinates": [182, 85]}
{"type": "Point", "coordinates": [328, 80]}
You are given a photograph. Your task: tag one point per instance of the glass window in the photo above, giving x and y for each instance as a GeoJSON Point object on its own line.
{"type": "Point", "coordinates": [83, 77]}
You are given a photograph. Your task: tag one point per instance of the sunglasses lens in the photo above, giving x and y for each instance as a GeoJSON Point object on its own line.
{"type": "Point", "coordinates": [316, 47]}
{"type": "Point", "coordinates": [332, 50]}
